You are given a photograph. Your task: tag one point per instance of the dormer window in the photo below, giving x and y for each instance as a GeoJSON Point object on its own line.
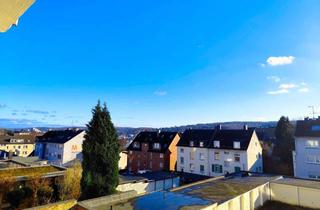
{"type": "Point", "coordinates": [191, 143]}
{"type": "Point", "coordinates": [216, 144]}
{"type": "Point", "coordinates": [236, 145]}
{"type": "Point", "coordinates": [156, 146]}
{"type": "Point", "coordinates": [201, 144]}
{"type": "Point", "coordinates": [136, 145]}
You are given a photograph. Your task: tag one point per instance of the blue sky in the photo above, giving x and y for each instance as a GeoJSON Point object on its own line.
{"type": "Point", "coordinates": [161, 63]}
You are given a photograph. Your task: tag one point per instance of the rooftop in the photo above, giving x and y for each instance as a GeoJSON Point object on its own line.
{"type": "Point", "coordinates": [164, 138]}
{"type": "Point", "coordinates": [59, 136]}
{"type": "Point", "coordinates": [226, 137]}
{"type": "Point", "coordinates": [203, 193]}
{"type": "Point", "coordinates": [308, 128]}
{"type": "Point", "coordinates": [11, 168]}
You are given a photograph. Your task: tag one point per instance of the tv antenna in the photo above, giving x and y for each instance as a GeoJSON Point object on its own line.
{"type": "Point", "coordinates": [313, 111]}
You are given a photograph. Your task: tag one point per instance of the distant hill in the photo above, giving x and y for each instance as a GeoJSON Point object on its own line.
{"type": "Point", "coordinates": [130, 131]}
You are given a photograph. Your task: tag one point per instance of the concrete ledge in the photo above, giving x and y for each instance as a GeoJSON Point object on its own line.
{"type": "Point", "coordinates": [62, 205]}
{"type": "Point", "coordinates": [106, 200]}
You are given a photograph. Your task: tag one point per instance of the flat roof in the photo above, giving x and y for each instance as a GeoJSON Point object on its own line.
{"type": "Point", "coordinates": [299, 182]}
{"type": "Point", "coordinates": [201, 194]}
{"type": "Point", "coordinates": [25, 171]}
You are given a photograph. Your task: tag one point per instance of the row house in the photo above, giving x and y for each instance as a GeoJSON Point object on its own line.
{"type": "Point", "coordinates": [153, 151]}
{"type": "Point", "coordinates": [60, 147]}
{"type": "Point", "coordinates": [214, 152]}
{"type": "Point", "coordinates": [306, 157]}
{"type": "Point", "coordinates": [18, 145]}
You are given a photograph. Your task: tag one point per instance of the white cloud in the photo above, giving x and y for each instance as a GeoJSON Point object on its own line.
{"type": "Point", "coordinates": [262, 65]}
{"type": "Point", "coordinates": [287, 86]}
{"type": "Point", "coordinates": [277, 92]}
{"type": "Point", "coordinates": [303, 90]}
{"type": "Point", "coordinates": [160, 93]}
{"type": "Point", "coordinates": [273, 78]}
{"type": "Point", "coordinates": [280, 60]}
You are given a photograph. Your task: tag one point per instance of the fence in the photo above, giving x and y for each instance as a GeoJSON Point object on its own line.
{"type": "Point", "coordinates": [143, 187]}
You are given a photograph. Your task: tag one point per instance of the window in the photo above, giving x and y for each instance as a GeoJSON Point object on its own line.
{"type": "Point", "coordinates": [150, 164]}
{"type": "Point", "coordinates": [237, 169]}
{"type": "Point", "coordinates": [161, 165]}
{"type": "Point", "coordinates": [181, 160]}
{"type": "Point", "coordinates": [216, 155]}
{"type": "Point", "coordinates": [315, 128]}
{"type": "Point", "coordinates": [156, 146]}
{"type": "Point", "coordinates": [201, 144]}
{"type": "Point", "coordinates": [216, 144]}
{"type": "Point", "coordinates": [59, 156]}
{"type": "Point", "coordinates": [181, 150]}
{"type": "Point", "coordinates": [191, 155]}
{"type": "Point", "coordinates": [161, 155]}
{"type": "Point", "coordinates": [312, 144]}
{"type": "Point", "coordinates": [314, 176]}
{"type": "Point", "coordinates": [236, 145]}
{"type": "Point", "coordinates": [226, 153]}
{"type": "Point", "coordinates": [130, 152]}
{"type": "Point", "coordinates": [19, 147]}
{"type": "Point", "coordinates": [313, 159]}
{"type": "Point", "coordinates": [191, 143]}
{"type": "Point", "coordinates": [201, 156]}
{"type": "Point", "coordinates": [202, 168]}
{"type": "Point", "coordinates": [191, 167]}
{"type": "Point", "coordinates": [215, 168]}
{"type": "Point", "coordinates": [237, 157]}
{"type": "Point", "coordinates": [136, 145]}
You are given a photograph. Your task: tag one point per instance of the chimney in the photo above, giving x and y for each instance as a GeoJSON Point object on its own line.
{"type": "Point", "coordinates": [219, 127]}
{"type": "Point", "coordinates": [245, 127]}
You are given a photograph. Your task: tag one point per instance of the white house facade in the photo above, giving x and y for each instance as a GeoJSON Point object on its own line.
{"type": "Point", "coordinates": [60, 147]}
{"type": "Point", "coordinates": [217, 152]}
{"type": "Point", "coordinates": [306, 157]}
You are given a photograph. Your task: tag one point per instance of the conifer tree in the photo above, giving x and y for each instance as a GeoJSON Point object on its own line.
{"type": "Point", "coordinates": [284, 140]}
{"type": "Point", "coordinates": [100, 175]}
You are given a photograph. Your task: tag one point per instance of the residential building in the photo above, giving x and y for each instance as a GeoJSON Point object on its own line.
{"type": "Point", "coordinates": [306, 157]}
{"type": "Point", "coordinates": [19, 145]}
{"type": "Point", "coordinates": [153, 151]}
{"type": "Point", "coordinates": [60, 147]}
{"type": "Point", "coordinates": [214, 152]}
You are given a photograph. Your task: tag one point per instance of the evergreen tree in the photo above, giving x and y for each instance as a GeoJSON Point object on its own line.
{"type": "Point", "coordinates": [100, 175]}
{"type": "Point", "coordinates": [284, 140]}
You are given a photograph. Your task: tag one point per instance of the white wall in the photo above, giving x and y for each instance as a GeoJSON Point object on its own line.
{"type": "Point", "coordinates": [123, 160]}
{"type": "Point", "coordinates": [209, 160]}
{"type": "Point", "coordinates": [69, 151]}
{"type": "Point", "coordinates": [301, 196]}
{"type": "Point", "coordinates": [302, 168]}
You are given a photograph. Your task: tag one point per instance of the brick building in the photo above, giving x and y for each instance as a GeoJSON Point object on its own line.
{"type": "Point", "coordinates": [153, 151]}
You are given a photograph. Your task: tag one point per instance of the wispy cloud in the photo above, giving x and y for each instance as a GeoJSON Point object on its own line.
{"type": "Point", "coordinates": [37, 111]}
{"type": "Point", "coordinates": [160, 93]}
{"type": "Point", "coordinates": [280, 60]}
{"type": "Point", "coordinates": [277, 92]}
{"type": "Point", "coordinates": [274, 78]}
{"type": "Point", "coordinates": [2, 106]}
{"type": "Point", "coordinates": [287, 87]}
{"type": "Point", "coordinates": [303, 90]}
